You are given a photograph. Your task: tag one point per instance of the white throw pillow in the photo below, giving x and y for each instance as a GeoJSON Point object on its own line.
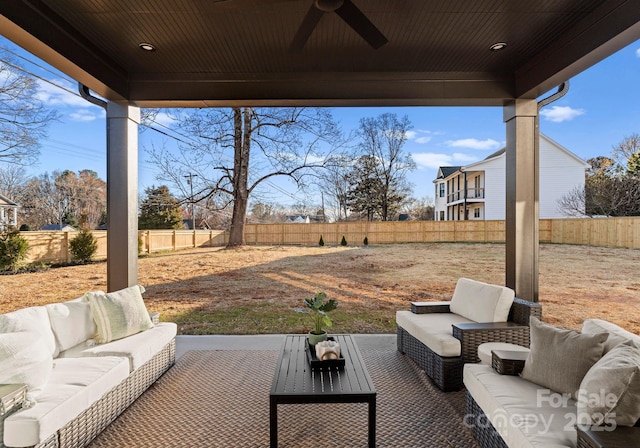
{"type": "Point", "coordinates": [25, 359]}
{"type": "Point", "coordinates": [610, 391]}
{"type": "Point", "coordinates": [34, 319]}
{"type": "Point", "coordinates": [72, 322]}
{"type": "Point", "coordinates": [481, 302]}
{"type": "Point", "coordinates": [119, 314]}
{"type": "Point", "coordinates": [617, 334]}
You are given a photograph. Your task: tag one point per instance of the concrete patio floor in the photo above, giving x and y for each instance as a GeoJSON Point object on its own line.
{"type": "Point", "coordinates": [267, 342]}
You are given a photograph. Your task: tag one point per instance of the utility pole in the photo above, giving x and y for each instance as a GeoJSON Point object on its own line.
{"type": "Point", "coordinates": [189, 178]}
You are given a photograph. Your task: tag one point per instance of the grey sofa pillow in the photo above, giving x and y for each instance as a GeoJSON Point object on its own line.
{"type": "Point", "coordinates": [610, 391]}
{"type": "Point", "coordinates": [559, 359]}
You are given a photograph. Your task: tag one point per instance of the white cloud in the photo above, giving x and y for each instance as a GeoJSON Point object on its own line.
{"type": "Point", "coordinates": [86, 115]}
{"type": "Point", "coordinates": [52, 95]}
{"type": "Point", "coordinates": [558, 114]}
{"type": "Point", "coordinates": [436, 160]}
{"type": "Point", "coordinates": [638, 52]}
{"type": "Point", "coordinates": [423, 140]}
{"type": "Point", "coordinates": [474, 143]}
{"type": "Point", "coordinates": [164, 119]}
{"type": "Point", "coordinates": [418, 136]}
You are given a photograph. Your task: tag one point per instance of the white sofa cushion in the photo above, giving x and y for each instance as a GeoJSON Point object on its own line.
{"type": "Point", "coordinates": [137, 348]}
{"type": "Point", "coordinates": [433, 330]}
{"type": "Point", "coordinates": [33, 319]}
{"type": "Point", "coordinates": [119, 314]}
{"type": "Point", "coordinates": [75, 384]}
{"type": "Point", "coordinates": [481, 302]}
{"type": "Point", "coordinates": [71, 322]}
{"type": "Point", "coordinates": [616, 334]}
{"type": "Point", "coordinates": [25, 359]}
{"type": "Point", "coordinates": [523, 413]}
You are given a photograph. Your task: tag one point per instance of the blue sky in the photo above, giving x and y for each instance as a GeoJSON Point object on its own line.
{"type": "Point", "coordinates": [601, 108]}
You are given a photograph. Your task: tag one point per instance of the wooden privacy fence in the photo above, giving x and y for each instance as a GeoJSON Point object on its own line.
{"type": "Point", "coordinates": [53, 247]}
{"type": "Point", "coordinates": [607, 232]}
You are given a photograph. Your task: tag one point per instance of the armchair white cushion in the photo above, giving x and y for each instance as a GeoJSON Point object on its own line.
{"type": "Point", "coordinates": [481, 302]}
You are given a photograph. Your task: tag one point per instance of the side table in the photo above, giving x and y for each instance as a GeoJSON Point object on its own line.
{"type": "Point", "coordinates": [508, 362]}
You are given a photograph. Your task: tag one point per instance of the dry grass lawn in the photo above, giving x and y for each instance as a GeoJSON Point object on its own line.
{"type": "Point", "coordinates": [256, 290]}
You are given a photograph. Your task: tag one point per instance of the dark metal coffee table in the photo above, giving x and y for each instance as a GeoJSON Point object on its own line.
{"type": "Point", "coordinates": [295, 382]}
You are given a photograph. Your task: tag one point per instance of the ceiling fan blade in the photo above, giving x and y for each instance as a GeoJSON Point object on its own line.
{"type": "Point", "coordinates": [306, 28]}
{"type": "Point", "coordinates": [361, 24]}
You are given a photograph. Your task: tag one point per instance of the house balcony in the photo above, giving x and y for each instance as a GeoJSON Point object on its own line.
{"type": "Point", "coordinates": [470, 195]}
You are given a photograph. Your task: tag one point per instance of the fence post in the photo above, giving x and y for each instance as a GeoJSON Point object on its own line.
{"type": "Point", "coordinates": [67, 251]}
{"type": "Point", "coordinates": [173, 240]}
{"type": "Point", "coordinates": [194, 238]}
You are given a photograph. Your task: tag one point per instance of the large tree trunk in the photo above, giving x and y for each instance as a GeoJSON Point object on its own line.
{"type": "Point", "coordinates": [242, 151]}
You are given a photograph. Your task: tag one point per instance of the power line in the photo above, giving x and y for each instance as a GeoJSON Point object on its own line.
{"type": "Point", "coordinates": [42, 67]}
{"type": "Point", "coordinates": [17, 67]}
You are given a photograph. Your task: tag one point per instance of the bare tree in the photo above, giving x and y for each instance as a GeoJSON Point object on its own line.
{"type": "Point", "coordinates": [421, 209]}
{"type": "Point", "coordinates": [233, 151]}
{"type": "Point", "coordinates": [334, 185]}
{"type": "Point", "coordinates": [626, 150]}
{"type": "Point", "coordinates": [65, 198]}
{"type": "Point", "coordinates": [383, 139]}
{"type": "Point", "coordinates": [24, 118]}
{"type": "Point", "coordinates": [572, 204]}
{"type": "Point", "coordinates": [12, 181]}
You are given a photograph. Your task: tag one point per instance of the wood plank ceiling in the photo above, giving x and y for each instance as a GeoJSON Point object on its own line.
{"type": "Point", "coordinates": [228, 52]}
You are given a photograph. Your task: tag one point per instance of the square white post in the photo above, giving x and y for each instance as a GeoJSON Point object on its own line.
{"type": "Point", "coordinates": [522, 196]}
{"type": "Point", "coordinates": [122, 195]}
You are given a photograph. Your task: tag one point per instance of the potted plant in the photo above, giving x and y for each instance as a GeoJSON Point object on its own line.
{"type": "Point", "coordinates": [319, 307]}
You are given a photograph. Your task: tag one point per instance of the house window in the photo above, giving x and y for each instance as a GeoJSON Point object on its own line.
{"type": "Point", "coordinates": [442, 215]}
{"type": "Point", "coordinates": [476, 212]}
{"type": "Point", "coordinates": [442, 190]}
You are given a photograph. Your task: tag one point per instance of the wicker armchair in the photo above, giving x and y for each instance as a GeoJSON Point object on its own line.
{"type": "Point", "coordinates": [446, 372]}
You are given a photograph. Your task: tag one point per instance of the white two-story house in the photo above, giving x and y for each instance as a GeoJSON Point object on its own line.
{"type": "Point", "coordinates": [8, 213]}
{"type": "Point", "coordinates": [477, 191]}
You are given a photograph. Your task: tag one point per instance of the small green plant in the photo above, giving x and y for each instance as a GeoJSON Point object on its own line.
{"type": "Point", "coordinates": [84, 246]}
{"type": "Point", "coordinates": [321, 242]}
{"type": "Point", "coordinates": [13, 249]}
{"type": "Point", "coordinates": [365, 241]}
{"type": "Point", "coordinates": [319, 307]}
{"type": "Point", "coordinates": [344, 241]}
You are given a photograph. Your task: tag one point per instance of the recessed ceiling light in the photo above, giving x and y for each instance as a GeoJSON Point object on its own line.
{"type": "Point", "coordinates": [147, 46]}
{"type": "Point", "coordinates": [498, 46]}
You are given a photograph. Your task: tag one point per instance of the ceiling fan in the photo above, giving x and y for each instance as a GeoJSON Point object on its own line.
{"type": "Point", "coordinates": [347, 12]}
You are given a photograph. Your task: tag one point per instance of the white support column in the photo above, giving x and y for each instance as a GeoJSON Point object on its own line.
{"type": "Point", "coordinates": [122, 195]}
{"type": "Point", "coordinates": [522, 195]}
{"type": "Point", "coordinates": [15, 217]}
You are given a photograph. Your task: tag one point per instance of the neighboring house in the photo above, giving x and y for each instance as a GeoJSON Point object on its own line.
{"type": "Point", "coordinates": [478, 191]}
{"type": "Point", "coordinates": [297, 219]}
{"type": "Point", "coordinates": [64, 228]}
{"type": "Point", "coordinates": [8, 213]}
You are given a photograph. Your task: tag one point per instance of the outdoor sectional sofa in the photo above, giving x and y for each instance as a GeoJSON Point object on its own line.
{"type": "Point", "coordinates": [83, 362]}
{"type": "Point", "coordinates": [442, 336]}
{"type": "Point", "coordinates": [573, 389]}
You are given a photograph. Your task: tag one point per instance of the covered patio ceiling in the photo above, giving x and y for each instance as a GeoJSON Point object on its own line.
{"type": "Point", "coordinates": [238, 52]}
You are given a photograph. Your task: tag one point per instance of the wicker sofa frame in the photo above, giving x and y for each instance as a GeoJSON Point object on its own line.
{"type": "Point", "coordinates": [446, 372]}
{"type": "Point", "coordinates": [85, 427]}
{"type": "Point", "coordinates": [487, 436]}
